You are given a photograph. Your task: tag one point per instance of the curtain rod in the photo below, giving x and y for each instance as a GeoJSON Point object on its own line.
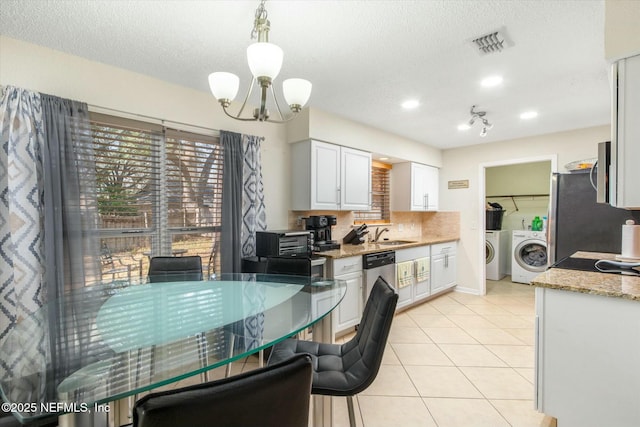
{"type": "Point", "coordinates": [127, 114]}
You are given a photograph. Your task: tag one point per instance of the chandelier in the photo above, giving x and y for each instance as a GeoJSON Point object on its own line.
{"type": "Point", "coordinates": [265, 61]}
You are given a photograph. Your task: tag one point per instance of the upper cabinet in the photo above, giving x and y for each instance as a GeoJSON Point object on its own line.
{"type": "Point", "coordinates": [625, 139]}
{"type": "Point", "coordinates": [414, 187]}
{"type": "Point", "coordinates": [329, 177]}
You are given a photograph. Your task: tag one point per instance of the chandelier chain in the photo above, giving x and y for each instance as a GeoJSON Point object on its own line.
{"type": "Point", "coordinates": [261, 16]}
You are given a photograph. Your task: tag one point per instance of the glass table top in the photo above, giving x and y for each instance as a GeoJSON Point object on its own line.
{"type": "Point", "coordinates": [118, 339]}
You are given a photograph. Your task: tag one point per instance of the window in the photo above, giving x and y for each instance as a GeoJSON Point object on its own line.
{"type": "Point", "coordinates": [159, 193]}
{"type": "Point", "coordinates": [380, 212]}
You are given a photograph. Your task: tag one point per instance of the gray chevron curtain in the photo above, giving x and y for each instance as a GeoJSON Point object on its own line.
{"type": "Point", "coordinates": [22, 289]}
{"type": "Point", "coordinates": [47, 217]}
{"type": "Point", "coordinates": [243, 213]}
{"type": "Point", "coordinates": [243, 209]}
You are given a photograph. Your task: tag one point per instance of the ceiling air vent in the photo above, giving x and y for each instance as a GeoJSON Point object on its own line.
{"type": "Point", "coordinates": [491, 43]}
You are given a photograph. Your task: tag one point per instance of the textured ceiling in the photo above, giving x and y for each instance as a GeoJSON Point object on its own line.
{"type": "Point", "coordinates": [363, 57]}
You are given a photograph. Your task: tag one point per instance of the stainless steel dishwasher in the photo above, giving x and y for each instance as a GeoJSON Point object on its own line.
{"type": "Point", "coordinates": [375, 265]}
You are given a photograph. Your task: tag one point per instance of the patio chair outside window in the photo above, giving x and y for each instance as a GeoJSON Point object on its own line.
{"type": "Point", "coordinates": [109, 265]}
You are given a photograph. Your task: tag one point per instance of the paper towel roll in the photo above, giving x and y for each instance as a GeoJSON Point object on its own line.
{"type": "Point", "coordinates": [630, 240]}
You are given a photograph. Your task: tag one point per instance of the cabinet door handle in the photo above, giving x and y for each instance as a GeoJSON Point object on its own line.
{"type": "Point", "coordinates": [424, 201]}
{"type": "Point", "coordinates": [427, 205]}
{"type": "Point", "coordinates": [446, 260]}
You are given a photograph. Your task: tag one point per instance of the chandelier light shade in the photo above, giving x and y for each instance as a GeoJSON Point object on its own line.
{"type": "Point", "coordinates": [265, 62]}
{"type": "Point", "coordinates": [296, 92]}
{"type": "Point", "coordinates": [224, 86]}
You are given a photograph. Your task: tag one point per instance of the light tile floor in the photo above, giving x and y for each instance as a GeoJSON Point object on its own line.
{"type": "Point", "coordinates": [459, 360]}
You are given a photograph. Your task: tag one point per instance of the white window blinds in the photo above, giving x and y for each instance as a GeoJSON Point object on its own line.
{"type": "Point", "coordinates": [159, 193]}
{"type": "Point", "coordinates": [380, 196]}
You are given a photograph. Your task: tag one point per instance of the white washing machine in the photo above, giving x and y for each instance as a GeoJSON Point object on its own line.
{"type": "Point", "coordinates": [529, 255]}
{"type": "Point", "coordinates": [497, 253]}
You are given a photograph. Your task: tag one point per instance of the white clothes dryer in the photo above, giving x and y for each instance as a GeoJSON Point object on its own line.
{"type": "Point", "coordinates": [497, 253]}
{"type": "Point", "coordinates": [529, 255]}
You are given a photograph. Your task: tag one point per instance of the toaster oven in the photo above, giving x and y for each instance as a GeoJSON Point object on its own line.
{"type": "Point", "coordinates": [284, 243]}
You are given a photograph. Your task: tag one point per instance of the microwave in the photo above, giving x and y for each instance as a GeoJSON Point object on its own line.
{"type": "Point", "coordinates": [284, 243]}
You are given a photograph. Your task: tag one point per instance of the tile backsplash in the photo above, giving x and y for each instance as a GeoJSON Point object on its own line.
{"type": "Point", "coordinates": [404, 225]}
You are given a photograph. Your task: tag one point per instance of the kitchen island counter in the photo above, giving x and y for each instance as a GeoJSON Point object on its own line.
{"type": "Point", "coordinates": [348, 250]}
{"type": "Point", "coordinates": [588, 282]}
{"type": "Point", "coordinates": [587, 364]}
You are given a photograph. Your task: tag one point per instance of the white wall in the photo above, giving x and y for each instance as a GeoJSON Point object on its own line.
{"type": "Point", "coordinates": [331, 128]}
{"type": "Point", "coordinates": [621, 35]}
{"type": "Point", "coordinates": [465, 163]}
{"type": "Point", "coordinates": [49, 71]}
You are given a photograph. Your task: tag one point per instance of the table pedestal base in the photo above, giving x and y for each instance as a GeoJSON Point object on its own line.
{"type": "Point", "coordinates": [323, 405]}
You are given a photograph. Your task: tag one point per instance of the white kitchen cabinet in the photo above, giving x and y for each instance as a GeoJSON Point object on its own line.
{"type": "Point", "coordinates": [587, 358]}
{"type": "Point", "coordinates": [414, 187]}
{"type": "Point", "coordinates": [625, 134]}
{"type": "Point", "coordinates": [419, 287]}
{"type": "Point", "coordinates": [355, 179]}
{"type": "Point", "coordinates": [349, 311]}
{"type": "Point", "coordinates": [329, 177]}
{"type": "Point", "coordinates": [443, 266]}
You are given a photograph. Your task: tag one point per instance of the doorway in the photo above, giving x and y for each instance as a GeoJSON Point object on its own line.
{"type": "Point", "coordinates": [510, 184]}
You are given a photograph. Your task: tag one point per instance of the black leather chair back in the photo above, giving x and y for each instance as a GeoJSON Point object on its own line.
{"type": "Point", "coordinates": [295, 266]}
{"type": "Point", "coordinates": [175, 268]}
{"type": "Point", "coordinates": [349, 368]}
{"type": "Point", "coordinates": [275, 396]}
{"type": "Point", "coordinates": [362, 355]}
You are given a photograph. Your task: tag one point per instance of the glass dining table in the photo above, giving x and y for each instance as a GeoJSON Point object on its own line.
{"type": "Point", "coordinates": [90, 353]}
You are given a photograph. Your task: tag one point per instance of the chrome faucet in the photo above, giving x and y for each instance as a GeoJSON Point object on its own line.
{"type": "Point", "coordinates": [379, 234]}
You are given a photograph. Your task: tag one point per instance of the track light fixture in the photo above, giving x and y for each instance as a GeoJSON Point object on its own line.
{"type": "Point", "coordinates": [480, 116]}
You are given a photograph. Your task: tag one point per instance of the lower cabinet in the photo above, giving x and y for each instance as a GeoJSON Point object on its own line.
{"type": "Point", "coordinates": [443, 266]}
{"type": "Point", "coordinates": [349, 311]}
{"type": "Point", "coordinates": [587, 358]}
{"type": "Point", "coordinates": [412, 275]}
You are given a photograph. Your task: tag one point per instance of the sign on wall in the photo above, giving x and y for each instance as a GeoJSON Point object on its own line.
{"type": "Point", "coordinates": [461, 183]}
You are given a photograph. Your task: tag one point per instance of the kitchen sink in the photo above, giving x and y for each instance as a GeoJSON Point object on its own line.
{"type": "Point", "coordinates": [395, 242]}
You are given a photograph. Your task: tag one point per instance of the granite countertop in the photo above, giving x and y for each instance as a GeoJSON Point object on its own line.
{"type": "Point", "coordinates": [588, 282]}
{"type": "Point", "coordinates": [347, 250]}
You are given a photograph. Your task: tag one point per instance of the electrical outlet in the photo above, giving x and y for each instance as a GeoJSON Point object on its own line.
{"type": "Point", "coordinates": [400, 227]}
{"type": "Point", "coordinates": [299, 220]}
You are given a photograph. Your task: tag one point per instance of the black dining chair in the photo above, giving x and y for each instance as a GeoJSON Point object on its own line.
{"type": "Point", "coordinates": [299, 267]}
{"type": "Point", "coordinates": [175, 268]}
{"type": "Point", "coordinates": [274, 396]}
{"type": "Point", "coordinates": [294, 266]}
{"type": "Point", "coordinates": [349, 368]}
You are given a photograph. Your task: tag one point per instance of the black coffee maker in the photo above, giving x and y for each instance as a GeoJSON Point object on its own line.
{"type": "Point", "coordinates": [320, 226]}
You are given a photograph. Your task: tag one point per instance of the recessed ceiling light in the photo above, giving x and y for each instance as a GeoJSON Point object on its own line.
{"type": "Point", "coordinates": [464, 126]}
{"type": "Point", "coordinates": [529, 115]}
{"type": "Point", "coordinates": [491, 81]}
{"type": "Point", "coordinates": [384, 158]}
{"type": "Point", "coordinates": [410, 104]}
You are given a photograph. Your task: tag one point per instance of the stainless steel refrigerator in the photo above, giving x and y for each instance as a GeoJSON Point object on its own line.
{"type": "Point", "coordinates": [578, 223]}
